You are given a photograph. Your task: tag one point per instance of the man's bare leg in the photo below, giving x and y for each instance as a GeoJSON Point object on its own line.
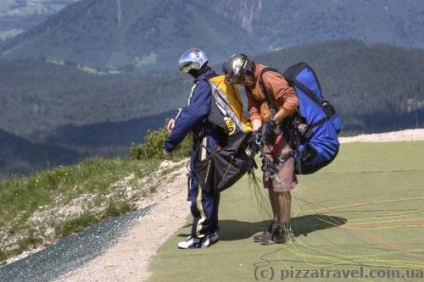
{"type": "Point", "coordinates": [284, 207]}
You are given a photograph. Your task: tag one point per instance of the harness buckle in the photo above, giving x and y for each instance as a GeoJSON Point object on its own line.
{"type": "Point", "coordinates": [284, 158]}
{"type": "Point", "coordinates": [281, 159]}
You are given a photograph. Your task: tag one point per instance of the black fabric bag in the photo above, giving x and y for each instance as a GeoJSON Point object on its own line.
{"type": "Point", "coordinates": [221, 169]}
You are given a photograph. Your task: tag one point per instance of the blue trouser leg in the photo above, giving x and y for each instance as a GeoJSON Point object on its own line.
{"type": "Point", "coordinates": [204, 206]}
{"type": "Point", "coordinates": [214, 223]}
{"type": "Point", "coordinates": [204, 209]}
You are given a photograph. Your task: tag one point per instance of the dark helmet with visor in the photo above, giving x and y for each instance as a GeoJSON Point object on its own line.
{"type": "Point", "coordinates": [237, 67]}
{"type": "Point", "coordinates": [193, 59]}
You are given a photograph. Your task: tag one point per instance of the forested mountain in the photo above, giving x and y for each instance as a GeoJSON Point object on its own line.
{"type": "Point", "coordinates": [108, 139]}
{"type": "Point", "coordinates": [19, 15]}
{"type": "Point", "coordinates": [362, 80]}
{"type": "Point", "coordinates": [146, 34]}
{"type": "Point", "coordinates": [96, 76]}
{"type": "Point", "coordinates": [373, 87]}
{"type": "Point", "coordinates": [150, 35]}
{"type": "Point", "coordinates": [37, 96]}
{"type": "Point", "coordinates": [19, 157]}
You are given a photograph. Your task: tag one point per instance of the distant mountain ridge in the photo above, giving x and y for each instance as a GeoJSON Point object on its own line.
{"type": "Point", "coordinates": [147, 35]}
{"type": "Point", "coordinates": [374, 88]}
{"type": "Point", "coordinates": [362, 80]}
{"type": "Point", "coordinates": [368, 56]}
{"type": "Point", "coordinates": [17, 16]}
{"type": "Point", "coordinates": [19, 157]}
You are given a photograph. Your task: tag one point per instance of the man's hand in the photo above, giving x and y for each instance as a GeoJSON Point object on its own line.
{"type": "Point", "coordinates": [170, 125]}
{"type": "Point", "coordinates": [255, 142]}
{"type": "Point", "coordinates": [268, 130]}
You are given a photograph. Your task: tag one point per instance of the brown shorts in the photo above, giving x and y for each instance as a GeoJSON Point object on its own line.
{"type": "Point", "coordinates": [284, 179]}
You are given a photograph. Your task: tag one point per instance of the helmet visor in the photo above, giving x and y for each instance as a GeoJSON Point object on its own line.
{"type": "Point", "coordinates": [234, 78]}
{"type": "Point", "coordinates": [186, 66]}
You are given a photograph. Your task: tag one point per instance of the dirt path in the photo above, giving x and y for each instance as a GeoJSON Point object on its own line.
{"type": "Point", "coordinates": [128, 259]}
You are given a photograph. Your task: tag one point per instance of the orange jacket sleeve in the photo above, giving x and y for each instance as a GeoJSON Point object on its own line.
{"type": "Point", "coordinates": [281, 92]}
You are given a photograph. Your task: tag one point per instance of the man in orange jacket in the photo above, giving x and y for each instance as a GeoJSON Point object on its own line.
{"type": "Point", "coordinates": [272, 103]}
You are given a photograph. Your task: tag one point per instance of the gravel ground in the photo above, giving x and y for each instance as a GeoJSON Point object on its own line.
{"type": "Point", "coordinates": [120, 250]}
{"type": "Point", "coordinates": [128, 259]}
{"type": "Point", "coordinates": [72, 252]}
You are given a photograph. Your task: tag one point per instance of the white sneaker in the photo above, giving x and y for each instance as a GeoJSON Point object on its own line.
{"type": "Point", "coordinates": [190, 243]}
{"type": "Point", "coordinates": [194, 242]}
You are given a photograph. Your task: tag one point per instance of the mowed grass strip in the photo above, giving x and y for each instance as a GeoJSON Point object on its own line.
{"type": "Point", "coordinates": [359, 218]}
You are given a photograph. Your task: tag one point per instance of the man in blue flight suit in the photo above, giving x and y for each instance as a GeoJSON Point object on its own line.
{"type": "Point", "coordinates": [207, 137]}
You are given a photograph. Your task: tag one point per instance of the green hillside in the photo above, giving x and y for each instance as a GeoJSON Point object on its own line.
{"type": "Point", "coordinates": [287, 23]}
{"type": "Point", "coordinates": [146, 35]}
{"type": "Point", "coordinates": [17, 16]}
{"type": "Point", "coordinates": [374, 88]}
{"type": "Point", "coordinates": [130, 34]}
{"type": "Point", "coordinates": [19, 157]}
{"type": "Point", "coordinates": [38, 97]}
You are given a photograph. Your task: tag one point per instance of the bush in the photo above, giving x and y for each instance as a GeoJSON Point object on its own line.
{"type": "Point", "coordinates": [154, 144]}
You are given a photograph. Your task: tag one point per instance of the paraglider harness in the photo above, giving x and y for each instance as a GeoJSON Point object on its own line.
{"type": "Point", "coordinates": [283, 131]}
{"type": "Point", "coordinates": [219, 169]}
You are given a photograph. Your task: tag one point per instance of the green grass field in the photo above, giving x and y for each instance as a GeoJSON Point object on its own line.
{"type": "Point", "coordinates": [359, 219]}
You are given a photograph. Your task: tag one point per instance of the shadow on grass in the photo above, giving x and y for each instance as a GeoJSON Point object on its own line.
{"type": "Point", "coordinates": [231, 230]}
{"type": "Point", "coordinates": [309, 223]}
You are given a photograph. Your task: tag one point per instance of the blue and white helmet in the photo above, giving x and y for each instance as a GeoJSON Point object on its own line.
{"type": "Point", "coordinates": [193, 59]}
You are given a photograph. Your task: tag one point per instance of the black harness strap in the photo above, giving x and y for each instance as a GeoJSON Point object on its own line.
{"type": "Point", "coordinates": [265, 89]}
{"type": "Point", "coordinates": [274, 109]}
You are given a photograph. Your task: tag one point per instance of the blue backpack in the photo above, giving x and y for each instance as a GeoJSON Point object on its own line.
{"type": "Point", "coordinates": [316, 126]}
